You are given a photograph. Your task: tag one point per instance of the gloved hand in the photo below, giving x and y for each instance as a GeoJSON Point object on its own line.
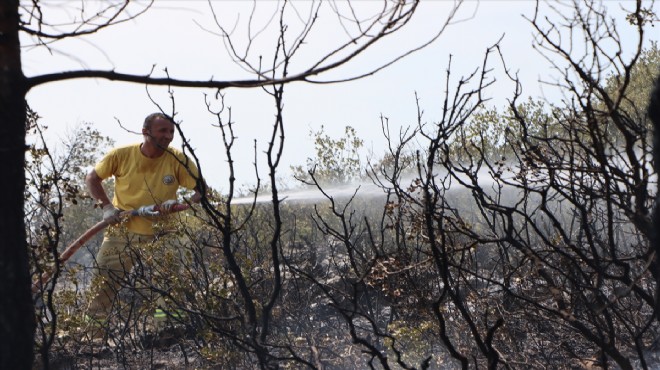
{"type": "Point", "coordinates": [111, 214]}
{"type": "Point", "coordinates": [148, 211]}
{"type": "Point", "coordinates": [166, 206]}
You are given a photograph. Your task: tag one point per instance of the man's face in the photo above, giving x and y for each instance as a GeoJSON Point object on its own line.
{"type": "Point", "coordinates": [160, 134]}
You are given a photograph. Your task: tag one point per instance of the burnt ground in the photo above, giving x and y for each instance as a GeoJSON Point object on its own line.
{"type": "Point", "coordinates": [156, 353]}
{"type": "Point", "coordinates": [173, 357]}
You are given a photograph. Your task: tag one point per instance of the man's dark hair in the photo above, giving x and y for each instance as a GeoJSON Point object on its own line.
{"type": "Point", "coordinates": [153, 116]}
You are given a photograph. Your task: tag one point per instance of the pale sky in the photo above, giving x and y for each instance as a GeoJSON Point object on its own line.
{"type": "Point", "coordinates": [169, 36]}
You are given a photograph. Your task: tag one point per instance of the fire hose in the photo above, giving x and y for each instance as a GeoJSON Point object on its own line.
{"type": "Point", "coordinates": [86, 236]}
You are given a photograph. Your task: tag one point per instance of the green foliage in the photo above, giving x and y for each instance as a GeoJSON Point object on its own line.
{"type": "Point", "coordinates": [337, 161]}
{"type": "Point", "coordinates": [634, 96]}
{"type": "Point", "coordinates": [491, 132]}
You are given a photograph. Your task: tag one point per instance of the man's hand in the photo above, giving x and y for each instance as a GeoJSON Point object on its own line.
{"type": "Point", "coordinates": [111, 214]}
{"type": "Point", "coordinates": [166, 206]}
{"type": "Point", "coordinates": [148, 211]}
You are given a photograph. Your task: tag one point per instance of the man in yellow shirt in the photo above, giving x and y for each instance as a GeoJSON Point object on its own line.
{"type": "Point", "coordinates": [146, 173]}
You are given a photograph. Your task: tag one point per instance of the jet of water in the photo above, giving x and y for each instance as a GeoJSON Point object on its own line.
{"type": "Point", "coordinates": [313, 194]}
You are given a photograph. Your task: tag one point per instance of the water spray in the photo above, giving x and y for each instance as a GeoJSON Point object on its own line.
{"type": "Point", "coordinates": [309, 195]}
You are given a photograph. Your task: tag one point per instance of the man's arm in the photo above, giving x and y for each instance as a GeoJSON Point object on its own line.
{"type": "Point", "coordinates": [199, 193]}
{"type": "Point", "coordinates": [166, 207]}
{"type": "Point", "coordinates": [95, 188]}
{"type": "Point", "coordinates": [111, 214]}
{"type": "Point", "coordinates": [197, 197]}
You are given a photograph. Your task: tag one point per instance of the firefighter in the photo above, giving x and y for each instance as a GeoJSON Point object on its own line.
{"type": "Point", "coordinates": [145, 174]}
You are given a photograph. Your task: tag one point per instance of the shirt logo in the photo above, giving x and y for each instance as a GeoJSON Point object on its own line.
{"type": "Point", "coordinates": [168, 179]}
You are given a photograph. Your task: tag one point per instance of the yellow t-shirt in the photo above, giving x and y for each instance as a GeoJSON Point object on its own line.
{"type": "Point", "coordinates": [141, 181]}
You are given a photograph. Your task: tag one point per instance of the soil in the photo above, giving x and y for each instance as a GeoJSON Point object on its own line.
{"type": "Point", "coordinates": [163, 354]}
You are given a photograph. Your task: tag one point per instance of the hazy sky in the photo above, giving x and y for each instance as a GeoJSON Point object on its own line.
{"type": "Point", "coordinates": [174, 35]}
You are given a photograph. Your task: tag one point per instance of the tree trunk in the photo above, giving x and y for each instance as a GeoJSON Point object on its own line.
{"type": "Point", "coordinates": [17, 323]}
